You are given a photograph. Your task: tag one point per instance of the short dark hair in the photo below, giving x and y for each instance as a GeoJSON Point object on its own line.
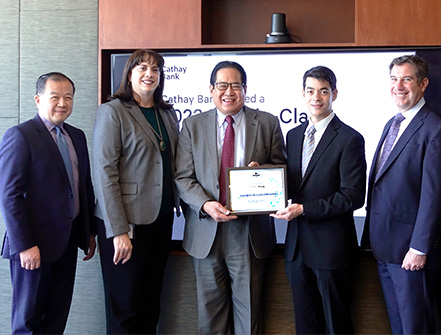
{"type": "Point", "coordinates": [40, 86]}
{"type": "Point", "coordinates": [421, 66]}
{"type": "Point", "coordinates": [321, 73]}
{"type": "Point", "coordinates": [228, 65]}
{"type": "Point", "coordinates": [125, 91]}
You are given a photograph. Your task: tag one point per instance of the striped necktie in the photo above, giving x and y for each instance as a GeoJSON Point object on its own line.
{"type": "Point", "coordinates": [308, 149]}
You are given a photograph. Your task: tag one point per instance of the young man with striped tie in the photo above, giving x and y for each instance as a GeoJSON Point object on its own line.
{"type": "Point", "coordinates": [326, 183]}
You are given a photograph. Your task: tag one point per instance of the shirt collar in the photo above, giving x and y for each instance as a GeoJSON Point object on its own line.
{"type": "Point", "coordinates": [49, 125]}
{"type": "Point", "coordinates": [236, 117]}
{"type": "Point", "coordinates": [409, 114]}
{"type": "Point", "coordinates": [322, 124]}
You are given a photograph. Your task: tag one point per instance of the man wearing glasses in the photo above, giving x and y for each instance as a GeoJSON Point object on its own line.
{"type": "Point", "coordinates": [228, 251]}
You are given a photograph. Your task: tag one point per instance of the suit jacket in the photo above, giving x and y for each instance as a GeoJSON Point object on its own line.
{"type": "Point", "coordinates": [403, 205]}
{"type": "Point", "coordinates": [35, 194]}
{"type": "Point", "coordinates": [127, 165]}
{"type": "Point", "coordinates": [198, 176]}
{"type": "Point", "coordinates": [332, 188]}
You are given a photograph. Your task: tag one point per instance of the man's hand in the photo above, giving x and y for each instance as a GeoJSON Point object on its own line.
{"type": "Point", "coordinates": [123, 248]}
{"type": "Point", "coordinates": [413, 262]}
{"type": "Point", "coordinates": [218, 212]}
{"type": "Point", "coordinates": [30, 258]}
{"type": "Point", "coordinates": [92, 248]}
{"type": "Point", "coordinates": [289, 213]}
{"type": "Point", "coordinates": [253, 164]}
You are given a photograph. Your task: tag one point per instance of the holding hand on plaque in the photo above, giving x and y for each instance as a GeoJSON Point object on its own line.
{"type": "Point", "coordinates": [219, 212]}
{"type": "Point", "coordinates": [289, 213]}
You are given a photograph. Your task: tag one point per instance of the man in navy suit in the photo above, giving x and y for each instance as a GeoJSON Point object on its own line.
{"type": "Point", "coordinates": [404, 202]}
{"type": "Point", "coordinates": [326, 182]}
{"type": "Point", "coordinates": [47, 203]}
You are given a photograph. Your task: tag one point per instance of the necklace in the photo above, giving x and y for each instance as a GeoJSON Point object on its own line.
{"type": "Point", "coordinates": [162, 146]}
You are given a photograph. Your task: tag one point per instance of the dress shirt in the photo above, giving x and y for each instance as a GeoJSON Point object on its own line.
{"type": "Point", "coordinates": [239, 137]}
{"type": "Point", "coordinates": [320, 128]}
{"type": "Point", "coordinates": [73, 157]}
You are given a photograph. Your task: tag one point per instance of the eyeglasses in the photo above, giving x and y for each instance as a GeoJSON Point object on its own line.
{"type": "Point", "coordinates": [223, 86]}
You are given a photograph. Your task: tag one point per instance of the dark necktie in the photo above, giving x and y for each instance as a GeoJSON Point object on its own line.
{"type": "Point", "coordinates": [227, 159]}
{"type": "Point", "coordinates": [308, 149]}
{"type": "Point", "coordinates": [389, 141]}
{"type": "Point", "coordinates": [64, 151]}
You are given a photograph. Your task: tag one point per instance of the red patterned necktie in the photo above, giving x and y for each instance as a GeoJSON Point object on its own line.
{"type": "Point", "coordinates": [227, 159]}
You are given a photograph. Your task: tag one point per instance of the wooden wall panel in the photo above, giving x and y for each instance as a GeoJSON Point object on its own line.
{"type": "Point", "coordinates": [248, 21]}
{"type": "Point", "coordinates": [398, 22]}
{"type": "Point", "coordinates": [149, 24]}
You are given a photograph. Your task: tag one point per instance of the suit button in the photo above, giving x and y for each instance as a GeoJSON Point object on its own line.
{"type": "Point", "coordinates": [70, 196]}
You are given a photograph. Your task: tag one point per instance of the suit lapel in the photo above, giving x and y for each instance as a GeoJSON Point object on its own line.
{"type": "Point", "coordinates": [136, 113]}
{"type": "Point", "coordinates": [79, 150]}
{"type": "Point", "coordinates": [51, 146]}
{"type": "Point", "coordinates": [328, 136]}
{"type": "Point", "coordinates": [297, 151]}
{"type": "Point", "coordinates": [377, 152]}
{"type": "Point", "coordinates": [411, 129]}
{"type": "Point", "coordinates": [210, 128]}
{"type": "Point", "coordinates": [171, 129]}
{"type": "Point", "coordinates": [251, 126]}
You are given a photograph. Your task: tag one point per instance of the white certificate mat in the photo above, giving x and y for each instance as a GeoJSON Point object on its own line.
{"type": "Point", "coordinates": [256, 190]}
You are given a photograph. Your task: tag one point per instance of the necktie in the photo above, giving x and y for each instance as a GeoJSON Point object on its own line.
{"type": "Point", "coordinates": [227, 159]}
{"type": "Point", "coordinates": [308, 149]}
{"type": "Point", "coordinates": [64, 151]}
{"type": "Point", "coordinates": [389, 141]}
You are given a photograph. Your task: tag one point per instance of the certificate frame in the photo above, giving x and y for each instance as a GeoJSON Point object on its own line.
{"type": "Point", "coordinates": [256, 190]}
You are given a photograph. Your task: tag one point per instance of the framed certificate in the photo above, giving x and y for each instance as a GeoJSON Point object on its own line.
{"type": "Point", "coordinates": [256, 190]}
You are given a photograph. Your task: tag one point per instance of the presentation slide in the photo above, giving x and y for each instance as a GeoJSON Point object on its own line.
{"type": "Point", "coordinates": [274, 85]}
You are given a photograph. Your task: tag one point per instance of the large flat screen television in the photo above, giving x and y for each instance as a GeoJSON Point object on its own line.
{"type": "Point", "coordinates": [275, 85]}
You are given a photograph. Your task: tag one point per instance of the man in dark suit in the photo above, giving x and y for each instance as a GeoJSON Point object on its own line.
{"type": "Point", "coordinates": [228, 251]}
{"type": "Point", "coordinates": [403, 207]}
{"type": "Point", "coordinates": [47, 202]}
{"type": "Point", "coordinates": [326, 183]}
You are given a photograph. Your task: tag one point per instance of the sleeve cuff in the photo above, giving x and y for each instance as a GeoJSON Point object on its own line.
{"type": "Point", "coordinates": [420, 253]}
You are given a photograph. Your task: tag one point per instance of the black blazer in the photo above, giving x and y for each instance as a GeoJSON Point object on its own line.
{"type": "Point", "coordinates": [333, 187]}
